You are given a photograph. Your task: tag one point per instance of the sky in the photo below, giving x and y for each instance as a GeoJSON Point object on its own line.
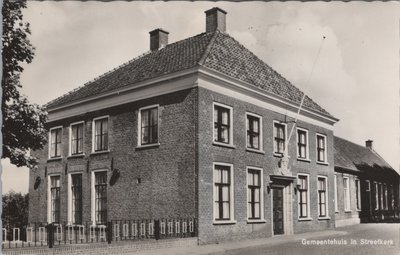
{"type": "Point", "coordinates": [356, 77]}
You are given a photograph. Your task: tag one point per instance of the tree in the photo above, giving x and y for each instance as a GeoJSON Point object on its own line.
{"type": "Point", "coordinates": [15, 213]}
{"type": "Point", "coordinates": [23, 123]}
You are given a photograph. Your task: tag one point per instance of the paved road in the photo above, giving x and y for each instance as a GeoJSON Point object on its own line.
{"type": "Point", "coordinates": [363, 239]}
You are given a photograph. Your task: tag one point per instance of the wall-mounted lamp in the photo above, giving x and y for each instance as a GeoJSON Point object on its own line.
{"type": "Point", "coordinates": [297, 188]}
{"type": "Point", "coordinates": [268, 189]}
{"type": "Point", "coordinates": [37, 183]}
{"type": "Point", "coordinates": [114, 177]}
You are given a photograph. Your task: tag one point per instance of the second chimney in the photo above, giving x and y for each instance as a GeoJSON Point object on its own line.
{"type": "Point", "coordinates": [158, 39]}
{"type": "Point", "coordinates": [368, 144]}
{"type": "Point", "coordinates": [215, 20]}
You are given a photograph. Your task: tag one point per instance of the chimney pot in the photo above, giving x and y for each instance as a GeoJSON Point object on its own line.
{"type": "Point", "coordinates": [368, 144]}
{"type": "Point", "coordinates": [215, 20]}
{"type": "Point", "coordinates": [158, 39]}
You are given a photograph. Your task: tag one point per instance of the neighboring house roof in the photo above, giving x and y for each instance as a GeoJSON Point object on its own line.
{"type": "Point", "coordinates": [354, 157]}
{"type": "Point", "coordinates": [217, 51]}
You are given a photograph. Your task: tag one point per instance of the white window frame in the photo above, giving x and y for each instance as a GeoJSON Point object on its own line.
{"type": "Point", "coordinates": [230, 108]}
{"type": "Point", "coordinates": [231, 197]}
{"type": "Point", "coordinates": [358, 195]}
{"type": "Point", "coordinates": [49, 216]}
{"type": "Point", "coordinates": [262, 219]}
{"type": "Point", "coordinates": [307, 158]}
{"type": "Point", "coordinates": [49, 152]}
{"type": "Point", "coordinates": [70, 138]}
{"type": "Point", "coordinates": [308, 198]}
{"type": "Point", "coordinates": [274, 135]}
{"type": "Point", "coordinates": [376, 189]}
{"type": "Point", "coordinates": [381, 197]}
{"type": "Point", "coordinates": [94, 131]}
{"type": "Point", "coordinates": [93, 194]}
{"type": "Point", "coordinates": [325, 162]}
{"type": "Point", "coordinates": [326, 197]}
{"type": "Point", "coordinates": [69, 194]}
{"type": "Point", "coordinates": [346, 200]}
{"type": "Point", "coordinates": [260, 132]}
{"type": "Point", "coordinates": [139, 139]}
{"type": "Point", "coordinates": [336, 194]}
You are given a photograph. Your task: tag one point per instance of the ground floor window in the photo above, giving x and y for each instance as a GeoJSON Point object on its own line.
{"type": "Point", "coordinates": [358, 197]}
{"type": "Point", "coordinates": [100, 189]}
{"type": "Point", "coordinates": [346, 189]}
{"type": "Point", "coordinates": [254, 194]}
{"type": "Point", "coordinates": [55, 198]}
{"type": "Point", "coordinates": [76, 191]}
{"type": "Point", "coordinates": [223, 197]}
{"type": "Point", "coordinates": [303, 196]}
{"type": "Point", "coordinates": [322, 197]}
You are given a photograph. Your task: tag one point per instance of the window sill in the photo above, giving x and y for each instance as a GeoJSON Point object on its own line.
{"type": "Point", "coordinates": [255, 150]}
{"type": "Point", "coordinates": [144, 146]}
{"type": "Point", "coordinates": [348, 211]}
{"type": "Point", "coordinates": [323, 163]}
{"type": "Point", "coordinates": [99, 152]}
{"type": "Point", "coordinates": [324, 218]}
{"type": "Point", "coordinates": [76, 156]}
{"type": "Point", "coordinates": [54, 159]}
{"type": "Point", "coordinates": [256, 221]}
{"type": "Point", "coordinates": [231, 146]}
{"type": "Point", "coordinates": [224, 222]}
{"type": "Point", "coordinates": [305, 219]}
{"type": "Point", "coordinates": [304, 159]}
{"type": "Point", "coordinates": [337, 212]}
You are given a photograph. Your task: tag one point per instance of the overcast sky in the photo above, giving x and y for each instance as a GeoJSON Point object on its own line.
{"type": "Point", "coordinates": [356, 78]}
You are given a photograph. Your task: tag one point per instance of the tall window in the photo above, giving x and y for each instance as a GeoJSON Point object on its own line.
{"type": "Point", "coordinates": [385, 197]}
{"type": "Point", "coordinates": [76, 190]}
{"type": "Point", "coordinates": [55, 198]}
{"type": "Point", "coordinates": [358, 194]}
{"type": "Point", "coordinates": [376, 196]}
{"type": "Point", "coordinates": [391, 197]}
{"type": "Point", "coordinates": [149, 125]}
{"type": "Point", "coordinates": [253, 131]}
{"type": "Point", "coordinates": [321, 148]}
{"type": "Point", "coordinates": [322, 211]}
{"type": "Point", "coordinates": [279, 137]}
{"type": "Point", "coordinates": [55, 142]}
{"type": "Point", "coordinates": [101, 197]}
{"type": "Point", "coordinates": [222, 193]}
{"type": "Point", "coordinates": [302, 143]}
{"type": "Point", "coordinates": [101, 134]}
{"type": "Point", "coordinates": [222, 124]}
{"type": "Point", "coordinates": [76, 139]}
{"type": "Point", "coordinates": [303, 196]}
{"type": "Point", "coordinates": [346, 191]}
{"type": "Point", "coordinates": [381, 196]}
{"type": "Point", "coordinates": [336, 194]}
{"type": "Point", "coordinates": [254, 192]}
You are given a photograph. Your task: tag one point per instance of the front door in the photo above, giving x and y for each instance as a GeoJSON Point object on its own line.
{"type": "Point", "coordinates": [278, 210]}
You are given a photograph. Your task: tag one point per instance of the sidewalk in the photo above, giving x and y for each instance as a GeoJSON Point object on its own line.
{"type": "Point", "coordinates": [222, 248]}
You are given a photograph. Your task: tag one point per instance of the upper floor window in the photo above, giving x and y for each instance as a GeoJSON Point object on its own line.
{"type": "Point", "coordinates": [76, 138]}
{"type": "Point", "coordinates": [303, 196]}
{"type": "Point", "coordinates": [223, 192]}
{"type": "Point", "coordinates": [302, 143]}
{"type": "Point", "coordinates": [100, 134]}
{"type": "Point", "coordinates": [321, 148]}
{"type": "Point", "coordinates": [346, 189]}
{"type": "Point", "coordinates": [222, 124]}
{"type": "Point", "coordinates": [254, 131]}
{"type": "Point", "coordinates": [322, 197]}
{"type": "Point", "coordinates": [148, 133]}
{"type": "Point", "coordinates": [55, 142]}
{"type": "Point", "coordinates": [279, 137]}
{"type": "Point", "coordinates": [55, 198]}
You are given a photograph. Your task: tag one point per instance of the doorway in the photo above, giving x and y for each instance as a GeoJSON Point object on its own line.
{"type": "Point", "coordinates": [278, 211]}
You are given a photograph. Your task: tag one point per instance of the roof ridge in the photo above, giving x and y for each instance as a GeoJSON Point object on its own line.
{"type": "Point", "coordinates": [208, 48]}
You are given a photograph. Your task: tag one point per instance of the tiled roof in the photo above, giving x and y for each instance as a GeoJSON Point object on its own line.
{"type": "Point", "coordinates": [217, 51]}
{"type": "Point", "coordinates": [351, 156]}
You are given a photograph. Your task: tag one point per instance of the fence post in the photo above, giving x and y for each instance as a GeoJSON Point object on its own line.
{"type": "Point", "coordinates": [157, 229]}
{"type": "Point", "coordinates": [109, 232]}
{"type": "Point", "coordinates": [50, 235]}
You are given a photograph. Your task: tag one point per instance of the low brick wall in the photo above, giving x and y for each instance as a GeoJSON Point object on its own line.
{"type": "Point", "coordinates": [123, 247]}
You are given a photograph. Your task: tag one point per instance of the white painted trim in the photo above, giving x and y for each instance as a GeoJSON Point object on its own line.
{"type": "Point", "coordinates": [94, 130]}
{"type": "Point", "coordinates": [232, 207]}
{"type": "Point", "coordinates": [346, 209]}
{"type": "Point", "coordinates": [308, 198]}
{"type": "Point", "coordinates": [49, 148]}
{"type": "Point", "coordinates": [326, 197]}
{"type": "Point", "coordinates": [261, 142]}
{"type": "Point", "coordinates": [262, 218]}
{"type": "Point", "coordinates": [230, 108]}
{"type": "Point", "coordinates": [70, 137]}
{"type": "Point", "coordinates": [274, 135]}
{"type": "Point", "coordinates": [93, 194]}
{"type": "Point", "coordinates": [307, 158]}
{"type": "Point", "coordinates": [336, 194]}
{"type": "Point", "coordinates": [139, 139]}
{"type": "Point", "coordinates": [326, 149]}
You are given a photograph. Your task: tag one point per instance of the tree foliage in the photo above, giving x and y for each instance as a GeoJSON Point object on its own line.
{"type": "Point", "coordinates": [15, 210]}
{"type": "Point", "coordinates": [23, 123]}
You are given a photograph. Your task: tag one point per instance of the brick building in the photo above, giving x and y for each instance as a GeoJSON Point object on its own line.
{"type": "Point", "coordinates": [196, 128]}
{"type": "Point", "coordinates": [366, 186]}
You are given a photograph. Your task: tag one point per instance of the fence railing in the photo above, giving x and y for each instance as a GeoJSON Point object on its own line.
{"type": "Point", "coordinates": [384, 216]}
{"type": "Point", "coordinates": [44, 234]}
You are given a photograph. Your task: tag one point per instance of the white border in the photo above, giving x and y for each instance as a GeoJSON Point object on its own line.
{"type": "Point", "coordinates": [344, 194]}
{"type": "Point", "coordinates": [308, 198]}
{"type": "Point", "coordinates": [139, 139]}
{"type": "Point", "coordinates": [232, 207]}
{"type": "Point", "coordinates": [108, 133]}
{"type": "Point", "coordinates": [49, 216]}
{"type": "Point", "coordinates": [285, 147]}
{"type": "Point", "coordinates": [261, 141]}
{"type": "Point", "coordinates": [70, 137]}
{"type": "Point", "coordinates": [93, 195]}
{"type": "Point", "coordinates": [326, 149]}
{"type": "Point", "coordinates": [49, 152]}
{"type": "Point", "coordinates": [307, 144]}
{"type": "Point", "coordinates": [230, 108]}
{"type": "Point", "coordinates": [262, 218]}
{"type": "Point", "coordinates": [326, 198]}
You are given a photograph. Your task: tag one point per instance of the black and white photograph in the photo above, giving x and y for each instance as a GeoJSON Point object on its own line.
{"type": "Point", "coordinates": [199, 127]}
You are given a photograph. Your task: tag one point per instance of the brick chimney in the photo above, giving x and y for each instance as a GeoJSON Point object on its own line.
{"type": "Point", "coordinates": [158, 39]}
{"type": "Point", "coordinates": [368, 144]}
{"type": "Point", "coordinates": [215, 20]}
